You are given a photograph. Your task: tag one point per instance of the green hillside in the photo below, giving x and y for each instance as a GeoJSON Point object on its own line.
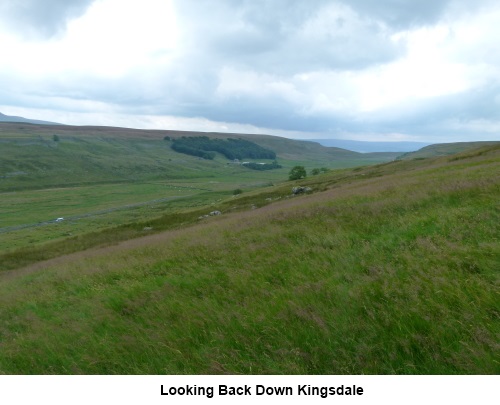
{"type": "Point", "coordinates": [10, 118]}
{"type": "Point", "coordinates": [41, 156]}
{"type": "Point", "coordinates": [388, 269]}
{"type": "Point", "coordinates": [101, 178]}
{"type": "Point", "coordinates": [446, 149]}
{"type": "Point", "coordinates": [230, 148]}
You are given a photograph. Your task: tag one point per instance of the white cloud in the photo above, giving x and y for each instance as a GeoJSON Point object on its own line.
{"type": "Point", "coordinates": [474, 126]}
{"type": "Point", "coordinates": [34, 19]}
{"type": "Point", "coordinates": [111, 117]}
{"type": "Point", "coordinates": [346, 67]}
{"type": "Point", "coordinates": [110, 39]}
{"type": "Point", "coordinates": [237, 83]}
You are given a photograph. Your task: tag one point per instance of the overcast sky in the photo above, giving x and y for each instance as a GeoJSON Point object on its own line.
{"type": "Point", "coordinates": [419, 70]}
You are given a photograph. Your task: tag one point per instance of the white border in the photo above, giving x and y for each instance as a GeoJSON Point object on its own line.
{"type": "Point", "coordinates": [124, 390]}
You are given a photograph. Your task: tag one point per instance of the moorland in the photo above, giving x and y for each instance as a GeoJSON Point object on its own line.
{"type": "Point", "coordinates": [384, 265]}
{"type": "Point", "coordinates": [98, 178]}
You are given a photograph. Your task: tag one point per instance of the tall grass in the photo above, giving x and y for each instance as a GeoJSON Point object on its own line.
{"type": "Point", "coordinates": [389, 270]}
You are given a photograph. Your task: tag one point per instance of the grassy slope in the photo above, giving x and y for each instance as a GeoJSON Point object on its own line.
{"type": "Point", "coordinates": [89, 155]}
{"type": "Point", "coordinates": [445, 149]}
{"type": "Point", "coordinates": [38, 162]}
{"type": "Point", "coordinates": [10, 118]}
{"type": "Point", "coordinates": [385, 269]}
{"type": "Point", "coordinates": [99, 178]}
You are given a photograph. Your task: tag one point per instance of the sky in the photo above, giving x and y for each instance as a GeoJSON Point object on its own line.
{"type": "Point", "coordinates": [385, 70]}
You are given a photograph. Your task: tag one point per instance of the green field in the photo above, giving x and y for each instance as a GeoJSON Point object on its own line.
{"type": "Point", "coordinates": [384, 269]}
{"type": "Point", "coordinates": [99, 178]}
{"type": "Point", "coordinates": [445, 149]}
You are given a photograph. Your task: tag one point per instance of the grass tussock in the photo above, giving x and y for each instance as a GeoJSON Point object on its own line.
{"type": "Point", "coordinates": [389, 270]}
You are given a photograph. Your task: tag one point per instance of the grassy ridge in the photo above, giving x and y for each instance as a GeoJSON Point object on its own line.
{"type": "Point", "coordinates": [446, 149]}
{"type": "Point", "coordinates": [31, 158]}
{"type": "Point", "coordinates": [74, 161]}
{"type": "Point", "coordinates": [231, 148]}
{"type": "Point", "coordinates": [390, 269]}
{"type": "Point", "coordinates": [100, 178]}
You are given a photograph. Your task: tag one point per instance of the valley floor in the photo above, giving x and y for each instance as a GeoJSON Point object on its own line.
{"type": "Point", "coordinates": [388, 269]}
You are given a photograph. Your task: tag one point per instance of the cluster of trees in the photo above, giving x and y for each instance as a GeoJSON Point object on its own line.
{"type": "Point", "coordinates": [184, 147]}
{"type": "Point", "coordinates": [205, 147]}
{"type": "Point", "coordinates": [299, 172]}
{"type": "Point", "coordinates": [262, 166]}
{"type": "Point", "coordinates": [316, 171]}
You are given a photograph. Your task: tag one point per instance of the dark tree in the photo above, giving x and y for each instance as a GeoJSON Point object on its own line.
{"type": "Point", "coordinates": [230, 148]}
{"type": "Point", "coordinates": [297, 173]}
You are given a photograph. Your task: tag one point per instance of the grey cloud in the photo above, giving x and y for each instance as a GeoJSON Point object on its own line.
{"type": "Point", "coordinates": [479, 103]}
{"type": "Point", "coordinates": [432, 117]}
{"type": "Point", "coordinates": [401, 13]}
{"type": "Point", "coordinates": [295, 36]}
{"type": "Point", "coordinates": [285, 37]}
{"type": "Point", "coordinates": [405, 14]}
{"type": "Point", "coordinates": [482, 103]}
{"type": "Point", "coordinates": [274, 38]}
{"type": "Point", "coordinates": [279, 38]}
{"type": "Point", "coordinates": [36, 18]}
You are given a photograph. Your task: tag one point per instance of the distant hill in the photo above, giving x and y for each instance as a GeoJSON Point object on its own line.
{"type": "Point", "coordinates": [389, 269]}
{"type": "Point", "coordinates": [39, 156]}
{"type": "Point", "coordinates": [205, 147]}
{"type": "Point", "coordinates": [445, 149]}
{"type": "Point", "coordinates": [366, 147]}
{"type": "Point", "coordinates": [12, 118]}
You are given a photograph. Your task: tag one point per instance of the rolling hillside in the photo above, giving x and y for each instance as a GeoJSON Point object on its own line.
{"type": "Point", "coordinates": [100, 178]}
{"type": "Point", "coordinates": [41, 156]}
{"type": "Point", "coordinates": [365, 146]}
{"type": "Point", "coordinates": [388, 269]}
{"type": "Point", "coordinates": [11, 118]}
{"type": "Point", "coordinates": [445, 149]}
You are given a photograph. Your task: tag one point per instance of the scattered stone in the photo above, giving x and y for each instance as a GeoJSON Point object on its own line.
{"type": "Point", "coordinates": [215, 213]}
{"type": "Point", "coordinates": [301, 190]}
{"type": "Point", "coordinates": [147, 228]}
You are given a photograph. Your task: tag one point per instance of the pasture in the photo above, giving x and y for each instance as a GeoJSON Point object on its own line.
{"type": "Point", "coordinates": [390, 269]}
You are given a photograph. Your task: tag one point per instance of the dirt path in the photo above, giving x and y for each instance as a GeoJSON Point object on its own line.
{"type": "Point", "coordinates": [90, 214]}
{"type": "Point", "coordinates": [147, 240]}
{"type": "Point", "coordinates": [92, 252]}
